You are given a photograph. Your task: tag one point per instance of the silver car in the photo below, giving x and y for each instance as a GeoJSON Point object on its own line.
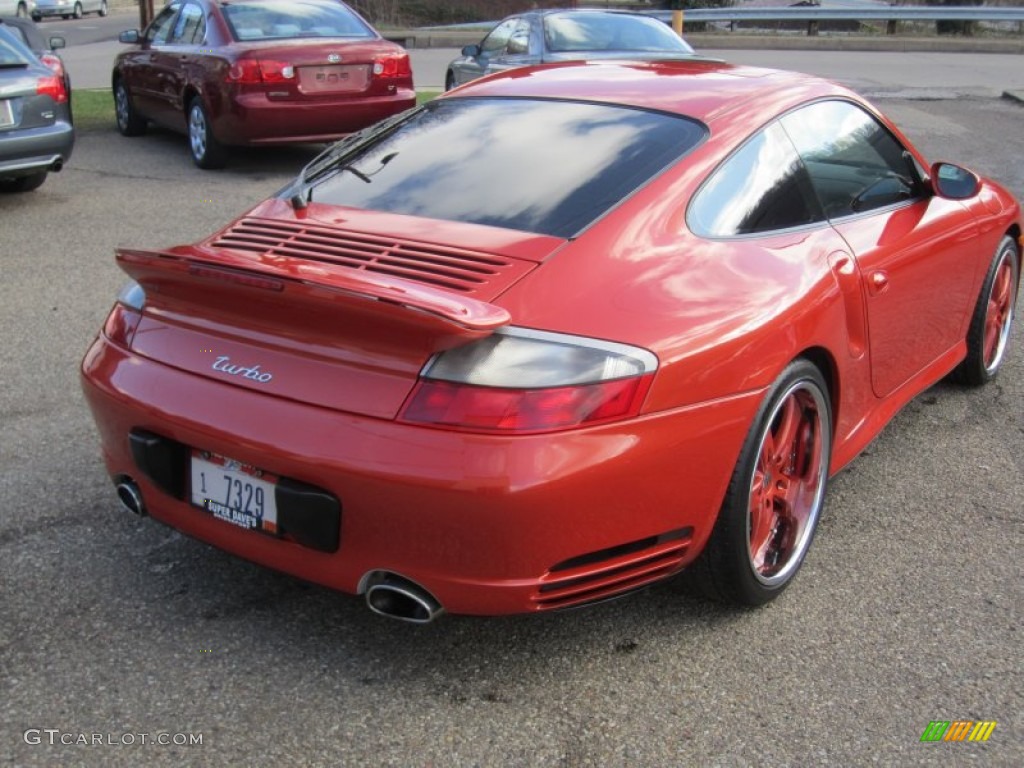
{"type": "Point", "coordinates": [20, 8]}
{"type": "Point", "coordinates": [537, 37]}
{"type": "Point", "coordinates": [36, 134]}
{"type": "Point", "coordinates": [67, 9]}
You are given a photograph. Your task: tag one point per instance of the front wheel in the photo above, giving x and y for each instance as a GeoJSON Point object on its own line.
{"type": "Point", "coordinates": [22, 12]}
{"type": "Point", "coordinates": [775, 495]}
{"type": "Point", "coordinates": [207, 152]}
{"type": "Point", "coordinates": [78, 11]}
{"type": "Point", "coordinates": [103, 8]}
{"type": "Point", "coordinates": [993, 315]}
{"type": "Point", "coordinates": [129, 122]}
{"type": "Point", "coordinates": [449, 80]}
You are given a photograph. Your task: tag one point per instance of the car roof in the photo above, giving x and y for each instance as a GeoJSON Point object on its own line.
{"type": "Point", "coordinates": [705, 89]}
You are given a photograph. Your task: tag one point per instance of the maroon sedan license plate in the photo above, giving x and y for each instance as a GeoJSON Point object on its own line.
{"type": "Point", "coordinates": [336, 78]}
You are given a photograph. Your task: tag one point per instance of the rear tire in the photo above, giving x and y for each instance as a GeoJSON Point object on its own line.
{"type": "Point", "coordinates": [78, 11]}
{"type": "Point", "coordinates": [207, 152]}
{"type": "Point", "coordinates": [989, 332]}
{"type": "Point", "coordinates": [22, 12]}
{"type": "Point", "coordinates": [775, 496]}
{"type": "Point", "coordinates": [103, 8]}
{"type": "Point", "coordinates": [449, 80]}
{"type": "Point", "coordinates": [129, 122]}
{"type": "Point", "coordinates": [24, 183]}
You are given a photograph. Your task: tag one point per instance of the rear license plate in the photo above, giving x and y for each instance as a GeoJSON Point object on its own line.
{"type": "Point", "coordinates": [237, 493]}
{"type": "Point", "coordinates": [337, 78]}
{"type": "Point", "coordinates": [6, 114]}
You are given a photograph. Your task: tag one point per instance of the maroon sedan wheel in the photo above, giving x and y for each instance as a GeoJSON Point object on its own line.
{"type": "Point", "coordinates": [776, 493]}
{"type": "Point", "coordinates": [993, 317]}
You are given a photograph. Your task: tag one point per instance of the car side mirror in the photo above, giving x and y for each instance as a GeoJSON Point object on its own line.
{"type": "Point", "coordinates": [57, 42]}
{"type": "Point", "coordinates": [130, 36]}
{"type": "Point", "coordinates": [953, 182]}
{"type": "Point", "coordinates": [471, 50]}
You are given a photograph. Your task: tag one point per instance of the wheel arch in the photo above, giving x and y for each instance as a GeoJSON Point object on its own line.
{"type": "Point", "coordinates": [824, 361]}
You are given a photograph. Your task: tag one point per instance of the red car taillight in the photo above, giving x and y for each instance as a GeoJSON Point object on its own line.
{"type": "Point", "coordinates": [520, 382]}
{"type": "Point", "coordinates": [492, 409]}
{"type": "Point", "coordinates": [124, 318]}
{"type": "Point", "coordinates": [52, 86]}
{"type": "Point", "coordinates": [257, 71]}
{"type": "Point", "coordinates": [392, 65]}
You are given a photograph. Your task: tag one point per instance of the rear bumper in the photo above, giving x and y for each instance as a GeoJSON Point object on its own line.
{"type": "Point", "coordinates": [488, 525]}
{"type": "Point", "coordinates": [253, 119]}
{"type": "Point", "coordinates": [34, 150]}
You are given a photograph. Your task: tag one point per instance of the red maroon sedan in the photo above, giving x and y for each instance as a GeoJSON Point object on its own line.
{"type": "Point", "coordinates": [560, 334]}
{"type": "Point", "coordinates": [252, 72]}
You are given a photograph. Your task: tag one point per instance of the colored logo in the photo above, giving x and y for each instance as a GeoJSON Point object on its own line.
{"type": "Point", "coordinates": [958, 730]}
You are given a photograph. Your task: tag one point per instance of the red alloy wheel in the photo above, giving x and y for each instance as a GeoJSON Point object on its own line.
{"type": "Point", "coordinates": [1000, 311]}
{"type": "Point", "coordinates": [788, 483]}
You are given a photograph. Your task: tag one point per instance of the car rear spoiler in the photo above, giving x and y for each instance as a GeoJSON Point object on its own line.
{"type": "Point", "coordinates": [181, 271]}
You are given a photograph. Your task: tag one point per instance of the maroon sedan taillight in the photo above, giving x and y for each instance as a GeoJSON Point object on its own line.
{"type": "Point", "coordinates": [392, 65]}
{"type": "Point", "coordinates": [256, 71]}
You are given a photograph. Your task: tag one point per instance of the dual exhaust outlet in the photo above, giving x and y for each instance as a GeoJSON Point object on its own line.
{"type": "Point", "coordinates": [387, 593]}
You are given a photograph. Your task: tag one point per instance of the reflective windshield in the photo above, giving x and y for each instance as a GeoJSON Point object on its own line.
{"type": "Point", "coordinates": [13, 52]}
{"type": "Point", "coordinates": [270, 19]}
{"type": "Point", "coordinates": [567, 32]}
{"type": "Point", "coordinates": [550, 167]}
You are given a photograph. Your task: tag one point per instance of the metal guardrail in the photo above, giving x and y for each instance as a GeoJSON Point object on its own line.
{"type": "Point", "coordinates": [814, 13]}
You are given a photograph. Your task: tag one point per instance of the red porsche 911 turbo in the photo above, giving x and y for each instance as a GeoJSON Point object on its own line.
{"type": "Point", "coordinates": [557, 335]}
{"type": "Point", "coordinates": [256, 72]}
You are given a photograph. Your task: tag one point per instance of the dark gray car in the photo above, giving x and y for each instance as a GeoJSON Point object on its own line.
{"type": "Point", "coordinates": [537, 37]}
{"type": "Point", "coordinates": [36, 132]}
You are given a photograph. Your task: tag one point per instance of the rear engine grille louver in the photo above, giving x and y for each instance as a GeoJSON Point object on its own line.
{"type": "Point", "coordinates": [482, 275]}
{"type": "Point", "coordinates": [613, 571]}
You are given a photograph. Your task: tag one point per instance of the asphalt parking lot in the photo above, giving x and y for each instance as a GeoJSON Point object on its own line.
{"type": "Point", "coordinates": [908, 609]}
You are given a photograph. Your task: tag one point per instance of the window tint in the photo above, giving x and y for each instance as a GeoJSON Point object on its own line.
{"type": "Point", "coordinates": [854, 163]}
{"type": "Point", "coordinates": [551, 167]}
{"type": "Point", "coordinates": [189, 29]}
{"type": "Point", "coordinates": [276, 19]}
{"type": "Point", "coordinates": [160, 29]}
{"type": "Point", "coordinates": [762, 187]}
{"type": "Point", "coordinates": [566, 32]}
{"type": "Point", "coordinates": [13, 52]}
{"type": "Point", "coordinates": [494, 44]}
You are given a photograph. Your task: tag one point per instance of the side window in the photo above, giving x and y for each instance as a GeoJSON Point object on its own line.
{"type": "Point", "coordinates": [189, 29]}
{"type": "Point", "coordinates": [519, 42]}
{"type": "Point", "coordinates": [494, 44]}
{"type": "Point", "coordinates": [159, 30]}
{"type": "Point", "coordinates": [760, 188]}
{"type": "Point", "coordinates": [854, 163]}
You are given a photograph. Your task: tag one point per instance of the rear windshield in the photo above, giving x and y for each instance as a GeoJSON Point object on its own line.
{"type": "Point", "coordinates": [13, 52]}
{"type": "Point", "coordinates": [277, 19]}
{"type": "Point", "coordinates": [544, 166]}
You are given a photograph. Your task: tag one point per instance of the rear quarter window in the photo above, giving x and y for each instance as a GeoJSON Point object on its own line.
{"type": "Point", "coordinates": [762, 187]}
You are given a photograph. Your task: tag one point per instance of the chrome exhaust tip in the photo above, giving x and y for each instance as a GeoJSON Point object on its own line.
{"type": "Point", "coordinates": [399, 598]}
{"type": "Point", "coordinates": [130, 496]}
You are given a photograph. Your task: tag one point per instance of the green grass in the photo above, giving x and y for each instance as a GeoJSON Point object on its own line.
{"type": "Point", "coordinates": [94, 109]}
